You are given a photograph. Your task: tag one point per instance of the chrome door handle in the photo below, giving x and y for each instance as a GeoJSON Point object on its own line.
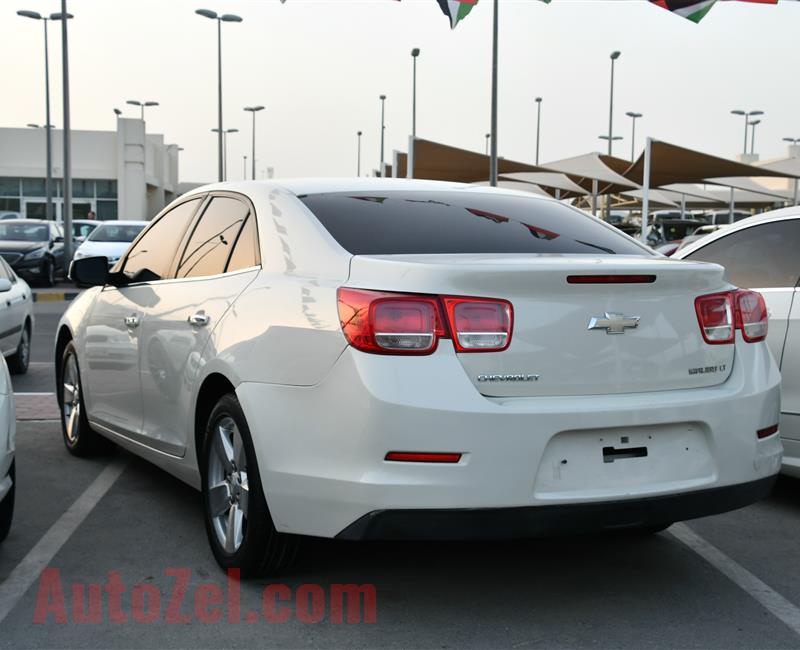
{"type": "Point", "coordinates": [132, 321]}
{"type": "Point", "coordinates": [199, 319]}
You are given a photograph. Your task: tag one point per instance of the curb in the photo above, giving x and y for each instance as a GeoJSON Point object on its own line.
{"type": "Point", "coordinates": [54, 296]}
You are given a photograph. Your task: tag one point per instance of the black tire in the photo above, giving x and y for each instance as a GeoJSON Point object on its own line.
{"type": "Point", "coordinates": [262, 550]}
{"type": "Point", "coordinates": [18, 362]}
{"type": "Point", "coordinates": [7, 505]}
{"type": "Point", "coordinates": [79, 438]}
{"type": "Point", "coordinates": [48, 273]}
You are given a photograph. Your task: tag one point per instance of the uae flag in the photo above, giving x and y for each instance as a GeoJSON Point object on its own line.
{"type": "Point", "coordinates": [455, 10]}
{"type": "Point", "coordinates": [695, 10]}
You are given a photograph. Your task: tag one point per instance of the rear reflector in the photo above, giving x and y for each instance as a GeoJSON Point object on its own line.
{"type": "Point", "coordinates": [769, 431]}
{"type": "Point", "coordinates": [415, 457]}
{"type": "Point", "coordinates": [720, 314]}
{"type": "Point", "coordinates": [611, 279]}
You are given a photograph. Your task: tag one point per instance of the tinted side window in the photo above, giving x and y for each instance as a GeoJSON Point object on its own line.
{"type": "Point", "coordinates": [244, 253]}
{"type": "Point", "coordinates": [213, 238]}
{"type": "Point", "coordinates": [156, 249]}
{"type": "Point", "coordinates": [758, 257]}
{"type": "Point", "coordinates": [4, 271]}
{"type": "Point", "coordinates": [436, 222]}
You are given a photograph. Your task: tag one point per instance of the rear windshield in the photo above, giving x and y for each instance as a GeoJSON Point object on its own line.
{"type": "Point", "coordinates": [408, 223]}
{"type": "Point", "coordinates": [116, 233]}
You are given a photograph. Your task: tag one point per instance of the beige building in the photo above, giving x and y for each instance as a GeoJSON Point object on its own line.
{"type": "Point", "coordinates": [122, 174]}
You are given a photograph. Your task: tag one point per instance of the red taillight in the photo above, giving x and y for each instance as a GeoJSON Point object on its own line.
{"type": "Point", "coordinates": [421, 457]}
{"type": "Point", "coordinates": [479, 325]}
{"type": "Point", "coordinates": [397, 323]}
{"type": "Point", "coordinates": [720, 314]}
{"type": "Point", "coordinates": [389, 323]}
{"type": "Point", "coordinates": [751, 315]}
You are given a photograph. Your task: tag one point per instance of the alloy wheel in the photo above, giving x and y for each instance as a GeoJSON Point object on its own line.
{"type": "Point", "coordinates": [24, 349]}
{"type": "Point", "coordinates": [71, 398]}
{"type": "Point", "coordinates": [228, 487]}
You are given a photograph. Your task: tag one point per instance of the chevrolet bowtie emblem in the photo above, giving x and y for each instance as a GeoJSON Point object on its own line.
{"type": "Point", "coordinates": [613, 323]}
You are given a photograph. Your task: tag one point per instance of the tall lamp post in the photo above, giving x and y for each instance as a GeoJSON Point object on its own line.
{"type": "Point", "coordinates": [141, 105]}
{"type": "Point", "coordinates": [614, 56]}
{"type": "Point", "coordinates": [412, 145]}
{"type": "Point", "coordinates": [48, 183]}
{"type": "Point", "coordinates": [747, 115]}
{"type": "Point", "coordinates": [64, 17]}
{"type": "Point", "coordinates": [383, 129]}
{"type": "Point", "coordinates": [358, 163]}
{"type": "Point", "coordinates": [538, 125]}
{"type": "Point", "coordinates": [488, 137]}
{"type": "Point", "coordinates": [225, 150]}
{"type": "Point", "coordinates": [753, 124]}
{"type": "Point", "coordinates": [224, 18]}
{"type": "Point", "coordinates": [634, 117]}
{"type": "Point", "coordinates": [254, 110]}
{"type": "Point", "coordinates": [793, 141]}
{"type": "Point", "coordinates": [244, 167]}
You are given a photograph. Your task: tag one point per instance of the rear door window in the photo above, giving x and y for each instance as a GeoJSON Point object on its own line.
{"type": "Point", "coordinates": [759, 257]}
{"type": "Point", "coordinates": [432, 222]}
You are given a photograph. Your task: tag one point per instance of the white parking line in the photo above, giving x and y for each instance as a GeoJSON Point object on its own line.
{"type": "Point", "coordinates": [34, 394]}
{"type": "Point", "coordinates": [37, 559]}
{"type": "Point", "coordinates": [777, 605]}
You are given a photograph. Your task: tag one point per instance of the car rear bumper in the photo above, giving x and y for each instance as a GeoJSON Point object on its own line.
{"type": "Point", "coordinates": [321, 448]}
{"type": "Point", "coordinates": [532, 521]}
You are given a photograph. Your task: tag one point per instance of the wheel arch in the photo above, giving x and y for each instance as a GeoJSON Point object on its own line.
{"type": "Point", "coordinates": [62, 340]}
{"type": "Point", "coordinates": [214, 386]}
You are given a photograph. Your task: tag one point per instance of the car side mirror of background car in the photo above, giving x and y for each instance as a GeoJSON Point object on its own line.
{"type": "Point", "coordinates": [58, 240]}
{"type": "Point", "coordinates": [5, 285]}
{"type": "Point", "coordinates": [89, 271]}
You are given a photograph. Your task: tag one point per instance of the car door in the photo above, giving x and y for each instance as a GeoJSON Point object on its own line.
{"type": "Point", "coordinates": [110, 359]}
{"type": "Point", "coordinates": [9, 328]}
{"type": "Point", "coordinates": [56, 246]}
{"type": "Point", "coordinates": [217, 261]}
{"type": "Point", "coordinates": [790, 372]}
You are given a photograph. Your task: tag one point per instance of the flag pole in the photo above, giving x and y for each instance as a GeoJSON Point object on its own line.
{"type": "Point", "coordinates": [493, 160]}
{"type": "Point", "coordinates": [648, 150]}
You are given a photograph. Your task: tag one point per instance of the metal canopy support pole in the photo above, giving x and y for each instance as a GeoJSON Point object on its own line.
{"type": "Point", "coordinates": [220, 135]}
{"type": "Point", "coordinates": [558, 194]}
{"type": "Point", "coordinates": [493, 161]}
{"type": "Point", "coordinates": [732, 207]}
{"type": "Point", "coordinates": [594, 197]}
{"type": "Point", "coordinates": [795, 191]}
{"type": "Point", "coordinates": [648, 151]}
{"type": "Point", "coordinates": [683, 206]}
{"type": "Point", "coordinates": [67, 143]}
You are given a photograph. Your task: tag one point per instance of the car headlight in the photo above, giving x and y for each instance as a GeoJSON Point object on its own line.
{"type": "Point", "coordinates": [78, 255]}
{"type": "Point", "coordinates": [35, 255]}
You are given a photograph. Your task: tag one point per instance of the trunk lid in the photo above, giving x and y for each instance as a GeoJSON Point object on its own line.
{"type": "Point", "coordinates": [553, 351]}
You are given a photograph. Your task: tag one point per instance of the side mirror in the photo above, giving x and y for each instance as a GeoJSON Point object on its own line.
{"type": "Point", "coordinates": [5, 285]}
{"type": "Point", "coordinates": [89, 271]}
{"type": "Point", "coordinates": [58, 240]}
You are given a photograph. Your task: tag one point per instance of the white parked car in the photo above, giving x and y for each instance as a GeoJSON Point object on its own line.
{"type": "Point", "coordinates": [376, 358]}
{"type": "Point", "coordinates": [16, 319]}
{"type": "Point", "coordinates": [763, 253]}
{"type": "Point", "coordinates": [8, 425]}
{"type": "Point", "coordinates": [110, 240]}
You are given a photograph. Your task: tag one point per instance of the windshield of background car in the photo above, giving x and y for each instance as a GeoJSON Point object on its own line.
{"type": "Point", "coordinates": [82, 229]}
{"type": "Point", "coordinates": [24, 232]}
{"type": "Point", "coordinates": [446, 222]}
{"type": "Point", "coordinates": [115, 233]}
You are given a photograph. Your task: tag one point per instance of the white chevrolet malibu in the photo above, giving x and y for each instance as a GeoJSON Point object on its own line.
{"type": "Point", "coordinates": [378, 359]}
{"type": "Point", "coordinates": [8, 422]}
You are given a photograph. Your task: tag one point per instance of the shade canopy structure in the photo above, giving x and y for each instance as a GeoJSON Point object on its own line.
{"type": "Point", "coordinates": [554, 182]}
{"type": "Point", "coordinates": [519, 186]}
{"type": "Point", "coordinates": [694, 194]}
{"type": "Point", "coordinates": [658, 199]}
{"type": "Point", "coordinates": [752, 186]}
{"type": "Point", "coordinates": [671, 164]}
{"type": "Point", "coordinates": [440, 162]}
{"type": "Point", "coordinates": [595, 172]}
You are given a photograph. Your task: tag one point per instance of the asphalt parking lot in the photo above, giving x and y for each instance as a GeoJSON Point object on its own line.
{"type": "Point", "coordinates": [120, 536]}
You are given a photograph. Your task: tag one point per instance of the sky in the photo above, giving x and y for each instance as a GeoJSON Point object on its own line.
{"type": "Point", "coordinates": [319, 67]}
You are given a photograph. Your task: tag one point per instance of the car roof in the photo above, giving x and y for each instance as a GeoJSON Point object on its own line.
{"type": "Point", "coordinates": [122, 222]}
{"type": "Point", "coordinates": [303, 186]}
{"type": "Point", "coordinates": [765, 217]}
{"type": "Point", "coordinates": [36, 221]}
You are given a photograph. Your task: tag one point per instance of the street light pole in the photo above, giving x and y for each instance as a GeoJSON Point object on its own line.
{"type": "Point", "coordinates": [747, 115]}
{"type": "Point", "coordinates": [614, 56]}
{"type": "Point", "coordinates": [754, 124]}
{"type": "Point", "coordinates": [224, 18]}
{"type": "Point", "coordinates": [225, 150]}
{"type": "Point", "coordinates": [48, 182]}
{"type": "Point", "coordinates": [538, 125]}
{"type": "Point", "coordinates": [254, 110]}
{"type": "Point", "coordinates": [383, 128]}
{"type": "Point", "coordinates": [64, 16]}
{"type": "Point", "coordinates": [412, 148]}
{"type": "Point", "coordinates": [358, 164]}
{"type": "Point", "coordinates": [244, 168]}
{"type": "Point", "coordinates": [634, 117]}
{"type": "Point", "coordinates": [493, 129]}
{"type": "Point", "coordinates": [141, 105]}
{"type": "Point", "coordinates": [488, 138]}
